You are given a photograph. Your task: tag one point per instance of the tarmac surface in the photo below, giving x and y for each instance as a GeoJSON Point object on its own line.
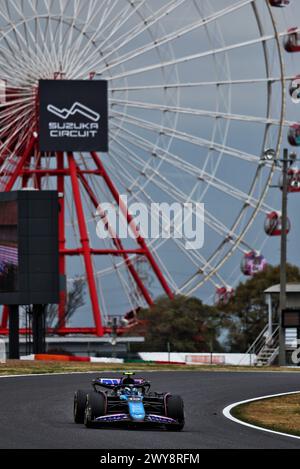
{"type": "Point", "coordinates": [36, 412]}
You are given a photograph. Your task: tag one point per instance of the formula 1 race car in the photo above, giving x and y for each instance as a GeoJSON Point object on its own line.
{"type": "Point", "coordinates": [128, 401]}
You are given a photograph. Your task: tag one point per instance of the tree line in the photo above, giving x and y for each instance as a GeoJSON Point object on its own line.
{"type": "Point", "coordinates": [189, 325]}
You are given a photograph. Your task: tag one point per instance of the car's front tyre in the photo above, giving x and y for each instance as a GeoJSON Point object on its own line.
{"type": "Point", "coordinates": [95, 406]}
{"type": "Point", "coordinates": [79, 406]}
{"type": "Point", "coordinates": [175, 411]}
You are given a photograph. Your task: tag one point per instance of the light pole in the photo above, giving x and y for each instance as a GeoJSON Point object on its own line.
{"type": "Point", "coordinates": [283, 257]}
{"type": "Point", "coordinates": [287, 161]}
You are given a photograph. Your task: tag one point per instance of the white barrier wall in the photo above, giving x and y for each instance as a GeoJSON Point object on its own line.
{"type": "Point", "coordinates": [234, 359]}
{"type": "Point", "coordinates": [2, 351]}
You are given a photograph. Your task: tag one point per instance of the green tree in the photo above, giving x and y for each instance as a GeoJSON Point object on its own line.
{"type": "Point", "coordinates": [186, 323]}
{"type": "Point", "coordinates": [246, 314]}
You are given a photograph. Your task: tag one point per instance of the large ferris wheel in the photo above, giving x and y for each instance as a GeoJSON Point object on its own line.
{"type": "Point", "coordinates": [197, 93]}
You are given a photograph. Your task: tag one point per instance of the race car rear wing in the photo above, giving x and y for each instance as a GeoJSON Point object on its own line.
{"type": "Point", "coordinates": [109, 383]}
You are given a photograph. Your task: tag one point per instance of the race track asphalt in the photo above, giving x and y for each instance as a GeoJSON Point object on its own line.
{"type": "Point", "coordinates": [36, 412]}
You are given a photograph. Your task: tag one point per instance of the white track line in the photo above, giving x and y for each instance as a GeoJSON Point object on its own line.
{"type": "Point", "coordinates": [228, 415]}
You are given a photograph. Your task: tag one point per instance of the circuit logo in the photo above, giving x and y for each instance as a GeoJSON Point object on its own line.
{"type": "Point", "coordinates": [73, 115]}
{"type": "Point", "coordinates": [77, 108]}
{"type": "Point", "coordinates": [76, 130]}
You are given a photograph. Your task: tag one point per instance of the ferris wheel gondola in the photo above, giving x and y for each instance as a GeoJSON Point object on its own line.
{"type": "Point", "coordinates": [292, 40]}
{"type": "Point", "coordinates": [253, 263]}
{"type": "Point", "coordinates": [293, 180]}
{"type": "Point", "coordinates": [294, 135]}
{"type": "Point", "coordinates": [273, 224]}
{"type": "Point", "coordinates": [294, 88]}
{"type": "Point", "coordinates": [279, 3]}
{"type": "Point", "coordinates": [224, 295]}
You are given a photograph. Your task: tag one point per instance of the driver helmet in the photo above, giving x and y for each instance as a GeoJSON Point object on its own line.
{"type": "Point", "coordinates": [128, 380]}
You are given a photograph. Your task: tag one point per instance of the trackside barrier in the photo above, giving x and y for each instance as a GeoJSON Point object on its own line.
{"type": "Point", "coordinates": [205, 360]}
{"type": "Point", "coordinates": [2, 351]}
{"type": "Point", "coordinates": [153, 362]}
{"type": "Point", "coordinates": [200, 358]}
{"type": "Point", "coordinates": [168, 363]}
{"type": "Point", "coordinates": [61, 358]}
{"type": "Point", "coordinates": [148, 358]}
{"type": "Point", "coordinates": [65, 358]}
{"type": "Point", "coordinates": [178, 359]}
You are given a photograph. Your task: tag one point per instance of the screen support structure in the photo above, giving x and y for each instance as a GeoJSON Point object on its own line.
{"type": "Point", "coordinates": [39, 329]}
{"type": "Point", "coordinates": [14, 346]}
{"type": "Point", "coordinates": [27, 170]}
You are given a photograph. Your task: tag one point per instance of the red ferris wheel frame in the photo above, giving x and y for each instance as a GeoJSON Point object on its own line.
{"type": "Point", "coordinates": [79, 181]}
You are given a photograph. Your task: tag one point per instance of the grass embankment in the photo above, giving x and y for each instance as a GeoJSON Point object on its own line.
{"type": "Point", "coordinates": [281, 414]}
{"type": "Point", "coordinates": [36, 367]}
{"type": "Point", "coordinates": [13, 367]}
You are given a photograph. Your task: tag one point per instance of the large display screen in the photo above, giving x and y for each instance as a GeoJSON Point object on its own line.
{"type": "Point", "coordinates": [29, 248]}
{"type": "Point", "coordinates": [9, 256]}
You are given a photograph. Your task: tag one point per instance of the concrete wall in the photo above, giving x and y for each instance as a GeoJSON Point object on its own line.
{"type": "Point", "coordinates": [204, 358]}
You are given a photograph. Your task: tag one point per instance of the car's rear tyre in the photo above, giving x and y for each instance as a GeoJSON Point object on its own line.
{"type": "Point", "coordinates": [79, 406]}
{"type": "Point", "coordinates": [175, 411]}
{"type": "Point", "coordinates": [95, 406]}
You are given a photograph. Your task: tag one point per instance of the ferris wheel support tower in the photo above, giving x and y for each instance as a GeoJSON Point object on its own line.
{"type": "Point", "coordinates": [79, 182]}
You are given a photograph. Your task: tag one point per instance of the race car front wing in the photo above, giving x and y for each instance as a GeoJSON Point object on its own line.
{"type": "Point", "coordinates": [150, 418]}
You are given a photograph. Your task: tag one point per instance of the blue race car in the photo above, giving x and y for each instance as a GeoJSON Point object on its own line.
{"type": "Point", "coordinates": [128, 401]}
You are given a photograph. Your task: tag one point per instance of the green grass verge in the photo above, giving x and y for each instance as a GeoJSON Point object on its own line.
{"type": "Point", "coordinates": [32, 367]}
{"type": "Point", "coordinates": [281, 414]}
